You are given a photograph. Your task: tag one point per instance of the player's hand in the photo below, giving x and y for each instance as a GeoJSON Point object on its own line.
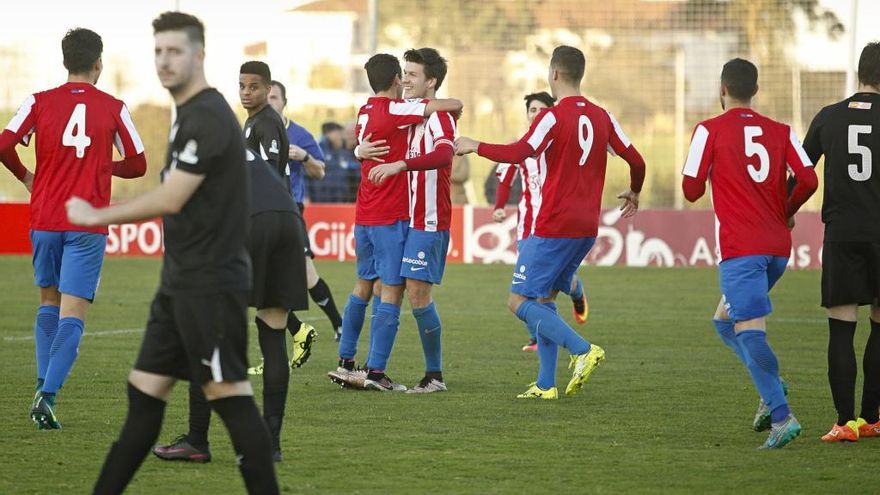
{"type": "Point", "coordinates": [630, 203]}
{"type": "Point", "coordinates": [28, 181]}
{"type": "Point", "coordinates": [791, 223]}
{"type": "Point", "coordinates": [80, 212]}
{"type": "Point", "coordinates": [294, 152]}
{"type": "Point", "coordinates": [380, 173]}
{"type": "Point", "coordinates": [465, 145]}
{"type": "Point", "coordinates": [499, 215]}
{"type": "Point", "coordinates": [372, 150]}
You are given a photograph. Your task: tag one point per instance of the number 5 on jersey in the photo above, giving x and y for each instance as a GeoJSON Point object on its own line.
{"type": "Point", "coordinates": [75, 132]}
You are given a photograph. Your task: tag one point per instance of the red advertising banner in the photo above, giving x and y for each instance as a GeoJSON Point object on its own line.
{"type": "Point", "coordinates": [664, 238]}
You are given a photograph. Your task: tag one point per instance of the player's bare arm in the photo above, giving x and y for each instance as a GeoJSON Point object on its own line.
{"type": "Point", "coordinates": [630, 203]}
{"type": "Point", "coordinates": [167, 199]}
{"type": "Point", "coordinates": [465, 145]}
{"type": "Point", "coordinates": [11, 160]}
{"type": "Point", "coordinates": [450, 105]}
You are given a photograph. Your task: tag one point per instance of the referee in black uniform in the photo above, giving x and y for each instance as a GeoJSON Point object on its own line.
{"type": "Point", "coordinates": [197, 329]}
{"type": "Point", "coordinates": [848, 134]}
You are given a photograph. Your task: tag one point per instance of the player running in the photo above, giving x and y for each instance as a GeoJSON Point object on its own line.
{"type": "Point", "coordinates": [746, 155]}
{"type": "Point", "coordinates": [532, 172]}
{"type": "Point", "coordinates": [574, 136]}
{"type": "Point", "coordinates": [381, 224]}
{"type": "Point", "coordinates": [848, 134]}
{"type": "Point", "coordinates": [77, 127]}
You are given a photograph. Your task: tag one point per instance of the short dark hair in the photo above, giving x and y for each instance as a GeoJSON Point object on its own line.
{"type": "Point", "coordinates": [282, 89]}
{"type": "Point", "coordinates": [381, 69]}
{"type": "Point", "coordinates": [430, 59]}
{"type": "Point", "coordinates": [740, 77]}
{"type": "Point", "coordinates": [542, 96]}
{"type": "Point", "coordinates": [178, 21]}
{"type": "Point", "coordinates": [257, 68]}
{"type": "Point", "coordinates": [869, 65]}
{"type": "Point", "coordinates": [81, 49]}
{"type": "Point", "coordinates": [569, 62]}
{"type": "Point", "coordinates": [330, 127]}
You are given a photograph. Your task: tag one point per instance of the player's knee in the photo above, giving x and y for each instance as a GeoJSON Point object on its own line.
{"type": "Point", "coordinates": [849, 312]}
{"type": "Point", "coordinates": [392, 294]}
{"type": "Point", "coordinates": [721, 311]}
{"type": "Point", "coordinates": [419, 293]}
{"type": "Point", "coordinates": [154, 385]}
{"type": "Point", "coordinates": [73, 306]}
{"type": "Point", "coordinates": [49, 296]}
{"type": "Point", "coordinates": [273, 317]}
{"type": "Point", "coordinates": [364, 289]}
{"type": "Point", "coordinates": [311, 273]}
{"type": "Point", "coordinates": [759, 323]}
{"type": "Point", "coordinates": [514, 302]}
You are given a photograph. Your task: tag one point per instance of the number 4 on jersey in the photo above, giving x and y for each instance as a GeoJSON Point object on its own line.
{"type": "Point", "coordinates": [77, 124]}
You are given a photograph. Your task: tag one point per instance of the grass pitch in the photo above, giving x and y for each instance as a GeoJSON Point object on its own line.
{"type": "Point", "coordinates": [669, 411]}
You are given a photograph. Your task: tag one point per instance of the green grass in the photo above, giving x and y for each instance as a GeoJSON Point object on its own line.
{"type": "Point", "coordinates": [669, 411]}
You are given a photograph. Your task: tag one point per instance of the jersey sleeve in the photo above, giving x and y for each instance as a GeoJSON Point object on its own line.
{"type": "Point", "coordinates": [199, 140]}
{"type": "Point", "coordinates": [813, 139]}
{"type": "Point", "coordinates": [307, 142]}
{"type": "Point", "coordinates": [270, 143]}
{"type": "Point", "coordinates": [541, 132]}
{"type": "Point", "coordinates": [407, 112]}
{"type": "Point", "coordinates": [442, 126]}
{"type": "Point", "coordinates": [23, 123]}
{"type": "Point", "coordinates": [699, 159]}
{"type": "Point", "coordinates": [127, 140]}
{"type": "Point", "coordinates": [618, 141]}
{"type": "Point", "coordinates": [795, 156]}
{"type": "Point", "coordinates": [506, 173]}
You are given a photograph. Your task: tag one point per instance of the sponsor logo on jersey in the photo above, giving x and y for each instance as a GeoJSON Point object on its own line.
{"type": "Point", "coordinates": [188, 155]}
{"type": "Point", "coordinates": [412, 261]}
{"type": "Point", "coordinates": [273, 147]}
{"type": "Point", "coordinates": [860, 105]}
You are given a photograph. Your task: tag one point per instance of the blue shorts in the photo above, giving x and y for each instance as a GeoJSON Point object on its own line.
{"type": "Point", "coordinates": [547, 264]}
{"type": "Point", "coordinates": [746, 282]}
{"type": "Point", "coordinates": [379, 249]}
{"type": "Point", "coordinates": [68, 260]}
{"type": "Point", "coordinates": [424, 255]}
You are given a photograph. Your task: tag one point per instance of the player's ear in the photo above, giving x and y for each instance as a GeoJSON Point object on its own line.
{"type": "Point", "coordinates": [430, 83]}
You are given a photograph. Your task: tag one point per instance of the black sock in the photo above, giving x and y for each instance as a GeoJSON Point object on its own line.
{"type": "Point", "coordinates": [324, 298]}
{"type": "Point", "coordinates": [346, 363]}
{"type": "Point", "coordinates": [276, 374]}
{"type": "Point", "coordinates": [139, 433]}
{"type": "Point", "coordinates": [251, 441]}
{"type": "Point", "coordinates": [293, 323]}
{"type": "Point", "coordinates": [871, 369]}
{"type": "Point", "coordinates": [842, 368]}
{"type": "Point", "coordinates": [199, 417]}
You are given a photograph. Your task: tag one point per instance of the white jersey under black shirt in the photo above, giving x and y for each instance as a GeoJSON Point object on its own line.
{"type": "Point", "coordinates": [205, 242]}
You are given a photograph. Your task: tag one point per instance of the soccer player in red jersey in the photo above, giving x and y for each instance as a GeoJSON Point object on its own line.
{"type": "Point", "coordinates": [574, 135]}
{"type": "Point", "coordinates": [531, 172]}
{"type": "Point", "coordinates": [746, 156]}
{"type": "Point", "coordinates": [429, 166]}
{"type": "Point", "coordinates": [77, 127]}
{"type": "Point", "coordinates": [381, 222]}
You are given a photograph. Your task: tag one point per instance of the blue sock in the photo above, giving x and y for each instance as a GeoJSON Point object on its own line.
{"type": "Point", "coordinates": [548, 324]}
{"type": "Point", "coordinates": [65, 348]}
{"type": "Point", "coordinates": [764, 368]}
{"type": "Point", "coordinates": [374, 310]}
{"type": "Point", "coordinates": [548, 354]}
{"type": "Point", "coordinates": [45, 328]}
{"type": "Point", "coordinates": [578, 291]}
{"type": "Point", "coordinates": [728, 336]}
{"type": "Point", "coordinates": [428, 322]}
{"type": "Point", "coordinates": [352, 324]}
{"type": "Point", "coordinates": [384, 327]}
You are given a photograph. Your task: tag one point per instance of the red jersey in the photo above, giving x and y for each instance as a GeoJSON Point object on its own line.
{"type": "Point", "coordinates": [532, 172]}
{"type": "Point", "coordinates": [430, 200]}
{"type": "Point", "coordinates": [76, 127]}
{"type": "Point", "coordinates": [745, 156]}
{"type": "Point", "coordinates": [575, 135]}
{"type": "Point", "coordinates": [386, 119]}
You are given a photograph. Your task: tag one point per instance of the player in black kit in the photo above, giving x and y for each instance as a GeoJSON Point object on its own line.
{"type": "Point", "coordinates": [848, 134]}
{"type": "Point", "coordinates": [265, 133]}
{"type": "Point", "coordinates": [197, 329]}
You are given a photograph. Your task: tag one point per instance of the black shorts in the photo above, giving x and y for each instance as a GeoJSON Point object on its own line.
{"type": "Point", "coordinates": [305, 229]}
{"type": "Point", "coordinates": [200, 338]}
{"type": "Point", "coordinates": [279, 266]}
{"type": "Point", "coordinates": [850, 273]}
